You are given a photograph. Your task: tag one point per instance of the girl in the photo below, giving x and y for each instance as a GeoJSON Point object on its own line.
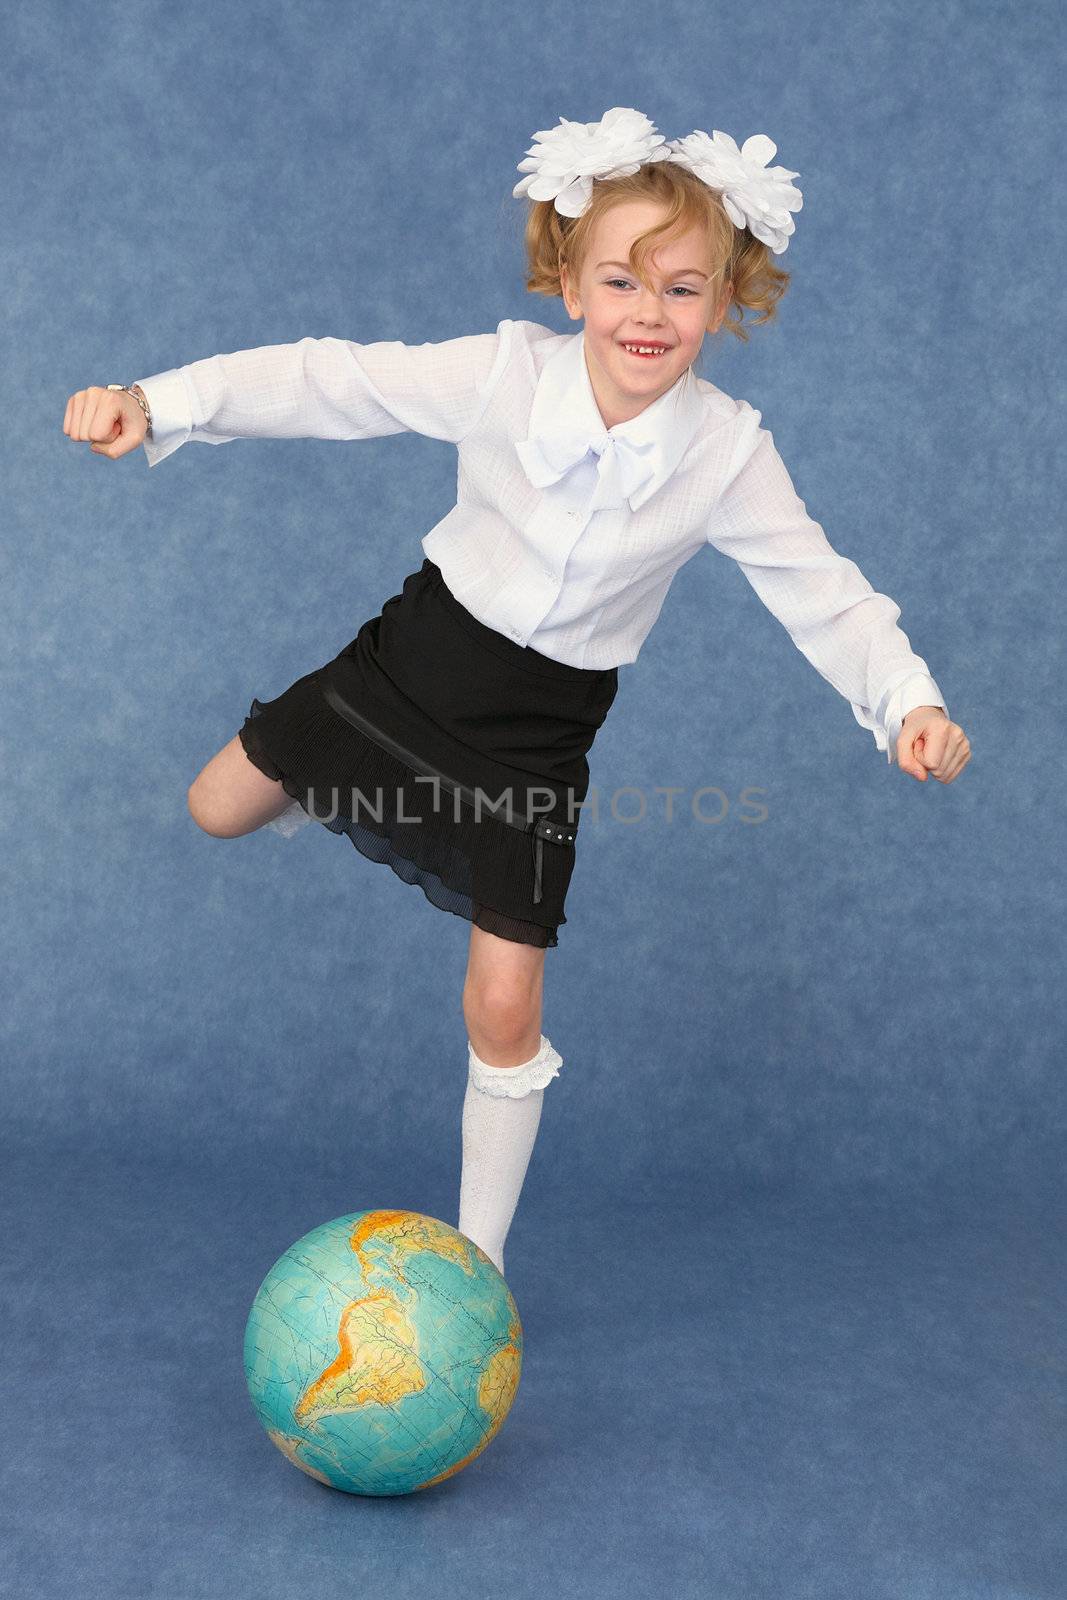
{"type": "Point", "coordinates": [450, 737]}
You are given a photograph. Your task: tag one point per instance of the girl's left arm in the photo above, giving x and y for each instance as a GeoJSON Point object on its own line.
{"type": "Point", "coordinates": [837, 620]}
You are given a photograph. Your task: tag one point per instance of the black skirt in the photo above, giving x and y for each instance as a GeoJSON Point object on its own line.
{"type": "Point", "coordinates": [449, 752]}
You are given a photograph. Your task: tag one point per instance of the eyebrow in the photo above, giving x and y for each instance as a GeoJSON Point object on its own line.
{"type": "Point", "coordinates": [695, 271]}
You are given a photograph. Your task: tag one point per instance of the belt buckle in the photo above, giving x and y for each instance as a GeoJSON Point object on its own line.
{"type": "Point", "coordinates": [558, 832]}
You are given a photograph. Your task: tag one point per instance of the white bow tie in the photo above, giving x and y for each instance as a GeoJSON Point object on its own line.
{"type": "Point", "coordinates": [622, 468]}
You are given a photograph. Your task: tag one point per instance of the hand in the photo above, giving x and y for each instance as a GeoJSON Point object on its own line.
{"type": "Point", "coordinates": [929, 742]}
{"type": "Point", "coordinates": [111, 419]}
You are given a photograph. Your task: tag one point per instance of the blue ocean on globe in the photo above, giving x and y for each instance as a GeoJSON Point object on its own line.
{"type": "Point", "coordinates": [382, 1352]}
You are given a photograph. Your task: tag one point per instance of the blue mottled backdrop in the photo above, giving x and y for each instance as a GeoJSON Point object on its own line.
{"type": "Point", "coordinates": [790, 1255]}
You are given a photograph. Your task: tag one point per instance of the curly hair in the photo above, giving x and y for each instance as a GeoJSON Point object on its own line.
{"type": "Point", "coordinates": [740, 260]}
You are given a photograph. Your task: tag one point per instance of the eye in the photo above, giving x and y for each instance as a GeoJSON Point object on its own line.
{"type": "Point", "coordinates": [611, 282]}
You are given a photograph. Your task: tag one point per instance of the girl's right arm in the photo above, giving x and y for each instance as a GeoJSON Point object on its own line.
{"type": "Point", "coordinates": [313, 389]}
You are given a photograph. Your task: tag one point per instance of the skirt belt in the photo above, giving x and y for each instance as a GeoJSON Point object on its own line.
{"type": "Point", "coordinates": [540, 829]}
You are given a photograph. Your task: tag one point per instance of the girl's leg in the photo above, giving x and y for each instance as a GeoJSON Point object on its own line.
{"type": "Point", "coordinates": [231, 797]}
{"type": "Point", "coordinates": [509, 1064]}
{"type": "Point", "coordinates": [502, 995]}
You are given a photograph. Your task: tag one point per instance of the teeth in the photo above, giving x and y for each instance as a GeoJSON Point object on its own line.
{"type": "Point", "coordinates": [643, 349]}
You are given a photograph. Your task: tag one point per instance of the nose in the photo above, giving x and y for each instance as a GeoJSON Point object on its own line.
{"type": "Point", "coordinates": [649, 311]}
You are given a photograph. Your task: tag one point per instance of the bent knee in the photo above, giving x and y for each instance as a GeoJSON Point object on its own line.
{"type": "Point", "coordinates": [203, 812]}
{"type": "Point", "coordinates": [502, 1012]}
{"type": "Point", "coordinates": [210, 814]}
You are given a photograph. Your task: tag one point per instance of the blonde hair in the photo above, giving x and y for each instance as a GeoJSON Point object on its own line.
{"type": "Point", "coordinates": [740, 259]}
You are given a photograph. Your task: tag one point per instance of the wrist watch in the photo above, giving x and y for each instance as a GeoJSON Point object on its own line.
{"type": "Point", "coordinates": [142, 403]}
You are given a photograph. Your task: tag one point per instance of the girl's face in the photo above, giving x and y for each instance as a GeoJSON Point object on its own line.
{"type": "Point", "coordinates": [620, 311]}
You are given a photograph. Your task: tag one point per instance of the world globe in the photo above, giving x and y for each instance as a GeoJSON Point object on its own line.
{"type": "Point", "coordinates": [382, 1352]}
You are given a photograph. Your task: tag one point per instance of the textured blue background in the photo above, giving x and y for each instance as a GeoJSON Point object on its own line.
{"type": "Point", "coordinates": [813, 1093]}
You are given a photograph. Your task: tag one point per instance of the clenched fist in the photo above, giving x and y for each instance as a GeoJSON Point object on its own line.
{"type": "Point", "coordinates": [109, 419]}
{"type": "Point", "coordinates": [929, 742]}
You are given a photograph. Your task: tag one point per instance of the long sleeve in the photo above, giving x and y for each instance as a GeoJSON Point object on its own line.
{"type": "Point", "coordinates": [326, 389]}
{"type": "Point", "coordinates": [844, 627]}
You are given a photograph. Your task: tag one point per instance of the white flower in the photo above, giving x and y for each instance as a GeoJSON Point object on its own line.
{"type": "Point", "coordinates": [565, 159]}
{"type": "Point", "coordinates": [752, 193]}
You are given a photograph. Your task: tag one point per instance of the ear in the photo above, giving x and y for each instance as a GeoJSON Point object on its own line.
{"type": "Point", "coordinates": [723, 307]}
{"type": "Point", "coordinates": [570, 299]}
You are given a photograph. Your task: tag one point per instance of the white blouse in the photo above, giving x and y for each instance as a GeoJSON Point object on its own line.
{"type": "Point", "coordinates": [566, 535]}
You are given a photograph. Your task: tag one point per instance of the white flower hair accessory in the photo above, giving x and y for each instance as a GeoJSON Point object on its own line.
{"type": "Point", "coordinates": [564, 160]}
{"type": "Point", "coordinates": [752, 193]}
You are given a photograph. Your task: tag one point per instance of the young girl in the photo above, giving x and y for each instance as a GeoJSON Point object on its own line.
{"type": "Point", "coordinates": [450, 737]}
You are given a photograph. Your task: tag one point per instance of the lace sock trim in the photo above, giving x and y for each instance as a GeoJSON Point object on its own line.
{"type": "Point", "coordinates": [516, 1081]}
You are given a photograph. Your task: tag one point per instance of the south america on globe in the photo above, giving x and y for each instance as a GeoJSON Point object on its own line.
{"type": "Point", "coordinates": [382, 1352]}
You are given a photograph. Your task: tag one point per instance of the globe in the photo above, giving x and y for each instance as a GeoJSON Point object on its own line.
{"type": "Point", "coordinates": [382, 1352]}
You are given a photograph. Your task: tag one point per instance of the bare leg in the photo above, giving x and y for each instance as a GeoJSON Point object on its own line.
{"type": "Point", "coordinates": [231, 797]}
{"type": "Point", "coordinates": [502, 995]}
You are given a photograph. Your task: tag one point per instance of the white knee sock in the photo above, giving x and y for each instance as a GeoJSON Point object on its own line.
{"type": "Point", "coordinates": [501, 1114]}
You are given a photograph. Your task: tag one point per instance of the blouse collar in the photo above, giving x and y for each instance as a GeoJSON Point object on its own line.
{"type": "Point", "coordinates": [565, 423]}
